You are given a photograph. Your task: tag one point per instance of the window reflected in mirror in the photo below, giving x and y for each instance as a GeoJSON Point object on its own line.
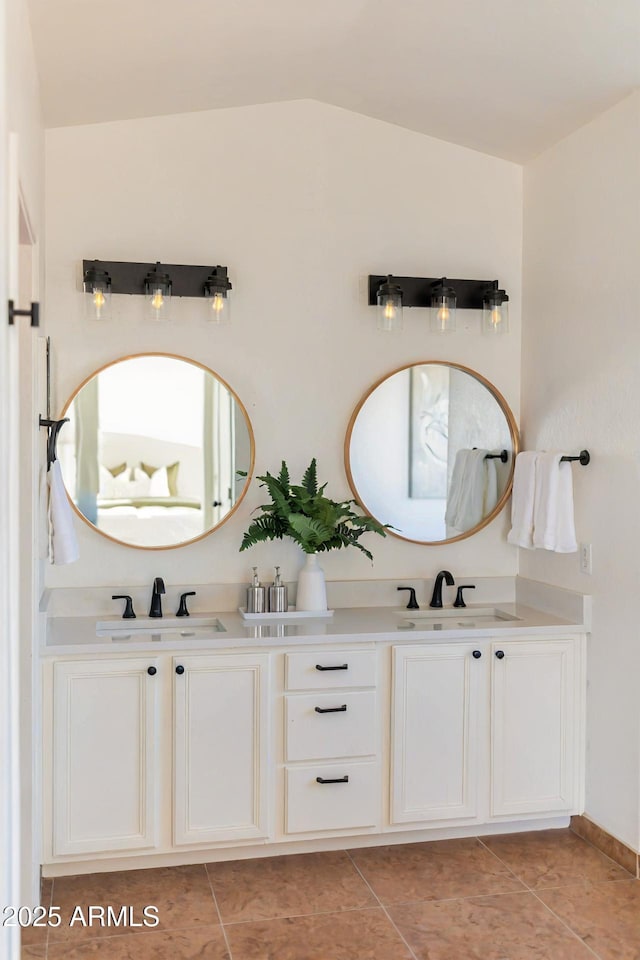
{"type": "Point", "coordinates": [158, 451]}
{"type": "Point", "coordinates": [430, 450]}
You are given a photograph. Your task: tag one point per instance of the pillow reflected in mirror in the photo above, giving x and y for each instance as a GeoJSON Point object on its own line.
{"type": "Point", "coordinates": [172, 475]}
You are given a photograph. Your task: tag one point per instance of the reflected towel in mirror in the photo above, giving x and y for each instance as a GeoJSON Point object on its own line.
{"type": "Point", "coordinates": [473, 493]}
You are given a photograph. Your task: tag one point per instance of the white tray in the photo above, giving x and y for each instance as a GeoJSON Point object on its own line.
{"type": "Point", "coordinates": [291, 614]}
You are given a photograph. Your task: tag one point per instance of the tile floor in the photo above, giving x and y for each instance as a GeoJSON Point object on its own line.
{"type": "Point", "coordinates": [532, 896]}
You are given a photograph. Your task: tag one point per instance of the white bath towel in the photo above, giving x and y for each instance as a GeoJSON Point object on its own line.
{"type": "Point", "coordinates": [469, 489]}
{"type": "Point", "coordinates": [491, 486]}
{"type": "Point", "coordinates": [523, 500]}
{"type": "Point", "coordinates": [455, 487]}
{"type": "Point", "coordinates": [553, 519]}
{"type": "Point", "coordinates": [63, 543]}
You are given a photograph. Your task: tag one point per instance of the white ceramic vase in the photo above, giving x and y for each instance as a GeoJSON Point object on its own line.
{"type": "Point", "coordinates": [312, 589]}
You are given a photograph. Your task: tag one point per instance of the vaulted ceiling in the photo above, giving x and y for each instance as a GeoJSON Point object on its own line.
{"type": "Point", "coordinates": [508, 77]}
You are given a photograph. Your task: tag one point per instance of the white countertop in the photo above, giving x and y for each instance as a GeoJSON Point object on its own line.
{"type": "Point", "coordinates": [77, 635]}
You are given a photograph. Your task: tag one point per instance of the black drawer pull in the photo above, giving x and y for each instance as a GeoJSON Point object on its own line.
{"type": "Point", "coordinates": [500, 654]}
{"type": "Point", "coordinates": [180, 669]}
{"type": "Point", "coordinates": [343, 666]}
{"type": "Point", "coordinates": [342, 709]}
{"type": "Point", "coordinates": [344, 779]}
{"type": "Point", "coordinates": [151, 671]}
{"type": "Point", "coordinates": [477, 654]}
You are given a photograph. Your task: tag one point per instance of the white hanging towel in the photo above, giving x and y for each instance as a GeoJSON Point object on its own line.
{"type": "Point", "coordinates": [456, 486]}
{"type": "Point", "coordinates": [523, 500]}
{"type": "Point", "coordinates": [470, 511]}
{"type": "Point", "coordinates": [553, 519]}
{"type": "Point", "coordinates": [63, 543]}
{"type": "Point", "coordinates": [491, 486]}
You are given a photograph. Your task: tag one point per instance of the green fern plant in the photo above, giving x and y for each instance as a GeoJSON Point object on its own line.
{"type": "Point", "coordinates": [303, 513]}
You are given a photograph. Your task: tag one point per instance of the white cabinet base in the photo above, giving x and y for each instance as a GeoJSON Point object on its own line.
{"type": "Point", "coordinates": [234, 851]}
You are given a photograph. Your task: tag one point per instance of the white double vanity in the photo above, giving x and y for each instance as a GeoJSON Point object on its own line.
{"type": "Point", "coordinates": [209, 737]}
{"type": "Point", "coordinates": [215, 739]}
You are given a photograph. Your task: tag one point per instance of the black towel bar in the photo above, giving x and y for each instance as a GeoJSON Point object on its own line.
{"type": "Point", "coordinates": [584, 458]}
{"type": "Point", "coordinates": [503, 456]}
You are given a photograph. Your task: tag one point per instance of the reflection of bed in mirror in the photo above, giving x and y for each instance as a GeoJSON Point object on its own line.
{"type": "Point", "coordinates": [152, 451]}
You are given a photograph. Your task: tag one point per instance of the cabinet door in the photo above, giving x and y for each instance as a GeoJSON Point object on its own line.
{"type": "Point", "coordinates": [220, 752]}
{"type": "Point", "coordinates": [533, 726]}
{"type": "Point", "coordinates": [104, 755]}
{"type": "Point", "coordinates": [435, 732]}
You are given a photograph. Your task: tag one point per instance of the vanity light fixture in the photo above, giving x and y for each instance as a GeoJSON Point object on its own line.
{"type": "Point", "coordinates": [158, 283]}
{"type": "Point", "coordinates": [97, 289]}
{"type": "Point", "coordinates": [389, 300]}
{"type": "Point", "coordinates": [443, 307]}
{"type": "Point", "coordinates": [157, 294]}
{"type": "Point", "coordinates": [216, 290]}
{"type": "Point", "coordinates": [441, 296]}
{"type": "Point", "coordinates": [495, 311]}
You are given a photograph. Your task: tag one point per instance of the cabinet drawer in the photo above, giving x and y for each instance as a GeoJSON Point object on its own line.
{"type": "Point", "coordinates": [330, 669]}
{"type": "Point", "coordinates": [327, 725]}
{"type": "Point", "coordinates": [313, 806]}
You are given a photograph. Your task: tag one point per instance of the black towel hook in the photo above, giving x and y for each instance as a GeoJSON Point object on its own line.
{"type": "Point", "coordinates": [54, 427]}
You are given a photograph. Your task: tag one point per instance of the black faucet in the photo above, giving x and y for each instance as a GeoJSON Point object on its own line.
{"type": "Point", "coordinates": [413, 603]}
{"type": "Point", "coordinates": [155, 609]}
{"type": "Point", "coordinates": [436, 597]}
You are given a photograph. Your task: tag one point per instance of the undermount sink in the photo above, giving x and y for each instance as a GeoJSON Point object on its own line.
{"type": "Point", "coordinates": [181, 625]}
{"type": "Point", "coordinates": [452, 617]}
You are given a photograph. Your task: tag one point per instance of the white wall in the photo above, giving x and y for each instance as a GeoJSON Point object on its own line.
{"type": "Point", "coordinates": [580, 388]}
{"type": "Point", "coordinates": [301, 200]}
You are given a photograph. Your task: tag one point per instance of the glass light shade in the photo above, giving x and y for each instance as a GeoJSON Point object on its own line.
{"type": "Point", "coordinates": [495, 311]}
{"type": "Point", "coordinates": [97, 301]}
{"type": "Point", "coordinates": [158, 303]}
{"type": "Point", "coordinates": [157, 294]}
{"type": "Point", "coordinates": [96, 284]}
{"type": "Point", "coordinates": [217, 290]}
{"type": "Point", "coordinates": [495, 317]}
{"type": "Point", "coordinates": [218, 307]}
{"type": "Point", "coordinates": [389, 313]}
{"type": "Point", "coordinates": [443, 310]}
{"type": "Point", "coordinates": [389, 306]}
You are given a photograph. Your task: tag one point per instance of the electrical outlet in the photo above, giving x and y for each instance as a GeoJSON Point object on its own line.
{"type": "Point", "coordinates": [586, 563]}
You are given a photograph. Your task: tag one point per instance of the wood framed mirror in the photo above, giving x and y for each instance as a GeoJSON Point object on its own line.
{"type": "Point", "coordinates": [430, 449]}
{"type": "Point", "coordinates": [158, 452]}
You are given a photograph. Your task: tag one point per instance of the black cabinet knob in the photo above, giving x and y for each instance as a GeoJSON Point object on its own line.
{"type": "Point", "coordinates": [500, 654]}
{"type": "Point", "coordinates": [151, 671]}
{"type": "Point", "coordinates": [477, 654]}
{"type": "Point", "coordinates": [180, 669]}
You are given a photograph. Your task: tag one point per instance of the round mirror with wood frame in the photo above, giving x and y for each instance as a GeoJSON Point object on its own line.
{"type": "Point", "coordinates": [430, 450]}
{"type": "Point", "coordinates": [158, 452]}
